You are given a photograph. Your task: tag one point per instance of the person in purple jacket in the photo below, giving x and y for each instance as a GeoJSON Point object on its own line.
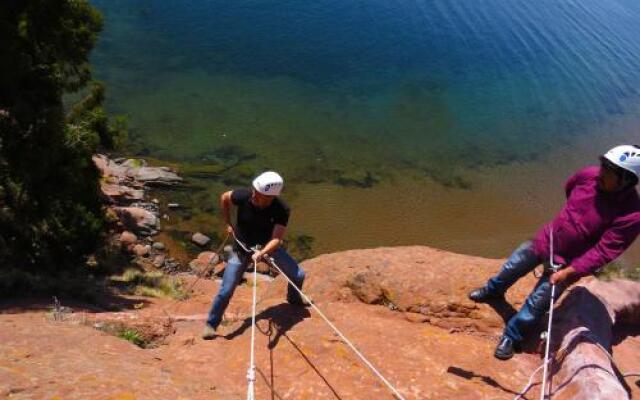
{"type": "Point", "coordinates": [599, 221]}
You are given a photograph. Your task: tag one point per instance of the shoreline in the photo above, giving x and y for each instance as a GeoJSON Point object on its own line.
{"type": "Point", "coordinates": [505, 206]}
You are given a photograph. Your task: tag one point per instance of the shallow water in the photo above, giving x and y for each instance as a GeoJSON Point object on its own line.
{"type": "Point", "coordinates": [424, 122]}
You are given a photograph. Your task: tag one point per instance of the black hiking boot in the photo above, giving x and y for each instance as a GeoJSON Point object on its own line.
{"type": "Point", "coordinates": [483, 295]}
{"type": "Point", "coordinates": [505, 349]}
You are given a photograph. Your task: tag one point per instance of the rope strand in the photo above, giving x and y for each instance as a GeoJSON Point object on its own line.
{"type": "Point", "coordinates": [395, 392]}
{"type": "Point", "coordinates": [251, 372]}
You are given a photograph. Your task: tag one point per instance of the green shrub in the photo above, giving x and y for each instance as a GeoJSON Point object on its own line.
{"type": "Point", "coordinates": [132, 336]}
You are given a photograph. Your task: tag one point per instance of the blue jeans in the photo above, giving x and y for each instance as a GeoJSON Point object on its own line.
{"type": "Point", "coordinates": [521, 262]}
{"type": "Point", "coordinates": [236, 265]}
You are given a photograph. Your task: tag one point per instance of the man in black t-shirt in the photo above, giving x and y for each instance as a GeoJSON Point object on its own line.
{"type": "Point", "coordinates": [262, 219]}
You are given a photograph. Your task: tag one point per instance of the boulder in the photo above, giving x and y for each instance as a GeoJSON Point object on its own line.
{"type": "Point", "coordinates": [138, 220]}
{"type": "Point", "coordinates": [110, 170]}
{"type": "Point", "coordinates": [119, 194]}
{"type": "Point", "coordinates": [200, 239]}
{"type": "Point", "coordinates": [583, 337]}
{"type": "Point", "coordinates": [418, 280]}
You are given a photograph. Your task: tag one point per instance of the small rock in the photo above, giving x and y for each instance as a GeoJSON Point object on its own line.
{"type": "Point", "coordinates": [200, 239]}
{"type": "Point", "coordinates": [158, 246]}
{"type": "Point", "coordinates": [155, 201]}
{"type": "Point", "coordinates": [141, 250]}
{"type": "Point", "coordinates": [173, 205]}
{"type": "Point", "coordinates": [158, 261]}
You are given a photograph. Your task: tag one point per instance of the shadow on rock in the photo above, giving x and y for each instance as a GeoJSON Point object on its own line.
{"type": "Point", "coordinates": [470, 375]}
{"type": "Point", "coordinates": [502, 308]}
{"type": "Point", "coordinates": [282, 316]}
{"type": "Point", "coordinates": [101, 303]}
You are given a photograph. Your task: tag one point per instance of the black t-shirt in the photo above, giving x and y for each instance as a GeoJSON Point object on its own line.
{"type": "Point", "coordinates": [255, 225]}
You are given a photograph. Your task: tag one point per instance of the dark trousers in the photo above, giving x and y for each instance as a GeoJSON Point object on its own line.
{"type": "Point", "coordinates": [521, 262]}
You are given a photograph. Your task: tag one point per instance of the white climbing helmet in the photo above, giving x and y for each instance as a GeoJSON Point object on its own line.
{"type": "Point", "coordinates": [269, 183]}
{"type": "Point", "coordinates": [626, 157]}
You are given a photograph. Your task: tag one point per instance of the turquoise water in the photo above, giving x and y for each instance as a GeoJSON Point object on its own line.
{"type": "Point", "coordinates": [358, 94]}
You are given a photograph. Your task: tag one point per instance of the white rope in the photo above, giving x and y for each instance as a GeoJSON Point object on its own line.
{"type": "Point", "coordinates": [251, 372]}
{"type": "Point", "coordinates": [545, 371]}
{"type": "Point", "coordinates": [529, 384]}
{"type": "Point", "coordinates": [335, 329]}
{"type": "Point", "coordinates": [546, 352]}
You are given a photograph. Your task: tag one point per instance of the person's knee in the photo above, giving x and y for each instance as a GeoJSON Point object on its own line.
{"type": "Point", "coordinates": [300, 276]}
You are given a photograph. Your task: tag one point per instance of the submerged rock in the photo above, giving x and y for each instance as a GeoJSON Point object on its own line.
{"type": "Point", "coordinates": [161, 176]}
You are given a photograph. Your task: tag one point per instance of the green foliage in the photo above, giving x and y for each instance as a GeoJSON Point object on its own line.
{"type": "Point", "coordinates": [300, 246]}
{"type": "Point", "coordinates": [132, 336]}
{"type": "Point", "coordinates": [50, 213]}
{"type": "Point", "coordinates": [616, 270]}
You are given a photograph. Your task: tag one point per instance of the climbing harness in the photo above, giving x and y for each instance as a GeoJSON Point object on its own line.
{"type": "Point", "coordinates": [251, 372]}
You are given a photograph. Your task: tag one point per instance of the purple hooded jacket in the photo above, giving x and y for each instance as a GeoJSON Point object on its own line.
{"type": "Point", "coordinates": [593, 228]}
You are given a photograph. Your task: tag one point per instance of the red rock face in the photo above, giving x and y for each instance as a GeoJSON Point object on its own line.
{"type": "Point", "coordinates": [584, 337]}
{"type": "Point", "coordinates": [404, 308]}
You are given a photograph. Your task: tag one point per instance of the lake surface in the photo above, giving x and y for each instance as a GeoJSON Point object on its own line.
{"type": "Point", "coordinates": [448, 123]}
